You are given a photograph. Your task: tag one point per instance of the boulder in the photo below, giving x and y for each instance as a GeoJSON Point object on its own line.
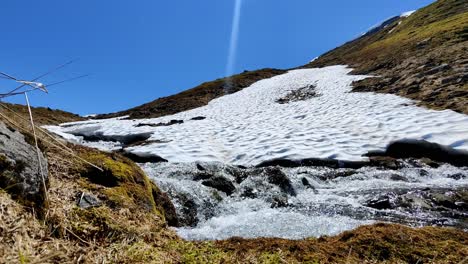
{"type": "Point", "coordinates": [20, 170]}
{"type": "Point", "coordinates": [220, 183]}
{"type": "Point", "coordinates": [277, 177]}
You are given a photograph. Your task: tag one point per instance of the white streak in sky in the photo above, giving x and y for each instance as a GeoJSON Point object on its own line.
{"type": "Point", "coordinates": [234, 38]}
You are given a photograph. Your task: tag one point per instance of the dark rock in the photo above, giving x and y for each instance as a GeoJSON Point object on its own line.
{"type": "Point", "coordinates": [385, 162]}
{"type": "Point", "coordinates": [86, 200]}
{"type": "Point", "coordinates": [189, 211]}
{"type": "Point", "coordinates": [411, 148]}
{"type": "Point", "coordinates": [200, 167]}
{"type": "Point", "coordinates": [336, 174]}
{"type": "Point", "coordinates": [123, 139]}
{"type": "Point", "coordinates": [313, 162]}
{"type": "Point", "coordinates": [380, 204]}
{"type": "Point", "coordinates": [277, 177]}
{"type": "Point", "coordinates": [238, 173]}
{"type": "Point", "coordinates": [397, 177]}
{"type": "Point", "coordinates": [249, 193]}
{"type": "Point", "coordinates": [457, 176]}
{"type": "Point", "coordinates": [279, 201]}
{"type": "Point", "coordinates": [305, 182]}
{"type": "Point", "coordinates": [430, 163]}
{"type": "Point", "coordinates": [423, 172]}
{"type": "Point", "coordinates": [203, 175]}
{"type": "Point", "coordinates": [143, 158]}
{"type": "Point", "coordinates": [170, 123]}
{"type": "Point", "coordinates": [221, 184]}
{"type": "Point", "coordinates": [198, 118]}
{"type": "Point", "coordinates": [163, 202]}
{"type": "Point", "coordinates": [20, 173]}
{"type": "Point", "coordinates": [383, 202]}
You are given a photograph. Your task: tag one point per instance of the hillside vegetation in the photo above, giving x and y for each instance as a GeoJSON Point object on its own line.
{"type": "Point", "coordinates": [421, 57]}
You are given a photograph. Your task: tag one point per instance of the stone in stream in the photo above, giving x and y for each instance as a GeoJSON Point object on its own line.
{"type": "Point", "coordinates": [277, 177]}
{"type": "Point", "coordinates": [220, 183]}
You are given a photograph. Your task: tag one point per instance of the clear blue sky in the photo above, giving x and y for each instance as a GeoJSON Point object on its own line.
{"type": "Point", "coordinates": [140, 50]}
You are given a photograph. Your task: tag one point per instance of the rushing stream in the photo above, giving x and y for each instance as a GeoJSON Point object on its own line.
{"type": "Point", "coordinates": [217, 201]}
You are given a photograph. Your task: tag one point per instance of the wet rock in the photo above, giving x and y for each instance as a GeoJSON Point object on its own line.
{"type": "Point", "coordinates": [397, 177]}
{"type": "Point", "coordinates": [165, 205]}
{"type": "Point", "coordinates": [86, 200]}
{"type": "Point", "coordinates": [20, 168]}
{"type": "Point", "coordinates": [423, 173]}
{"type": "Point", "coordinates": [221, 184]}
{"type": "Point", "coordinates": [202, 175]}
{"type": "Point", "coordinates": [249, 193]}
{"type": "Point", "coordinates": [382, 202]}
{"type": "Point", "coordinates": [239, 174]}
{"type": "Point", "coordinates": [277, 177]}
{"type": "Point", "coordinates": [385, 162]}
{"type": "Point", "coordinates": [336, 174]}
{"type": "Point", "coordinates": [200, 167]}
{"type": "Point", "coordinates": [430, 163]}
{"type": "Point", "coordinates": [279, 201]}
{"type": "Point", "coordinates": [457, 176]}
{"type": "Point", "coordinates": [313, 162]}
{"type": "Point", "coordinates": [305, 182]}
{"type": "Point", "coordinates": [188, 216]}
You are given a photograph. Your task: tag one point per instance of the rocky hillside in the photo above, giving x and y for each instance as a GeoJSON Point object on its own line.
{"type": "Point", "coordinates": [422, 56]}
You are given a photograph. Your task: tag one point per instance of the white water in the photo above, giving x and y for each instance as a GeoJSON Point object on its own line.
{"type": "Point", "coordinates": [329, 207]}
{"type": "Point", "coordinates": [249, 127]}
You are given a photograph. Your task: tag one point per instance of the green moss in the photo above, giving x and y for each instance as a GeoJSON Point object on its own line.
{"type": "Point", "coordinates": [199, 252]}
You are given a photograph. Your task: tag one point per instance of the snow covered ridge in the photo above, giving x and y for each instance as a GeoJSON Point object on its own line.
{"type": "Point", "coordinates": [250, 126]}
{"type": "Point", "coordinates": [408, 13]}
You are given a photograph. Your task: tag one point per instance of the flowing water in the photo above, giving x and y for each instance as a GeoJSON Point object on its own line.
{"type": "Point", "coordinates": [304, 202]}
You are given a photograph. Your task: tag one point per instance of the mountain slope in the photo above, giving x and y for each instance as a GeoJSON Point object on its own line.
{"type": "Point", "coordinates": [423, 56]}
{"type": "Point", "coordinates": [197, 96]}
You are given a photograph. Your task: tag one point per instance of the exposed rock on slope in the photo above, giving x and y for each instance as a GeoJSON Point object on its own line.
{"type": "Point", "coordinates": [20, 168]}
{"type": "Point", "coordinates": [421, 57]}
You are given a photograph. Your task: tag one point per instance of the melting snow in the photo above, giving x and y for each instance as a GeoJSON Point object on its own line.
{"type": "Point", "coordinates": [249, 126]}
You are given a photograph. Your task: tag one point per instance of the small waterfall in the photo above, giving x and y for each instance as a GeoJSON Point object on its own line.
{"type": "Point", "coordinates": [218, 201]}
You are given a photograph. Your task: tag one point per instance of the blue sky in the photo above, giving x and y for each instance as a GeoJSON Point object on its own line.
{"type": "Point", "coordinates": [137, 51]}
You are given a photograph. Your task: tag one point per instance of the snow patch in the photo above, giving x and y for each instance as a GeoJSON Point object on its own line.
{"type": "Point", "coordinates": [408, 13]}
{"type": "Point", "coordinates": [249, 127]}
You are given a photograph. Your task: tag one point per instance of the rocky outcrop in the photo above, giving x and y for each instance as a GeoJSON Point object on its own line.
{"type": "Point", "coordinates": [20, 173]}
{"type": "Point", "coordinates": [411, 148]}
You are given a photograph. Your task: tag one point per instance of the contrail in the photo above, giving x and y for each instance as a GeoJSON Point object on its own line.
{"type": "Point", "coordinates": [234, 39]}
